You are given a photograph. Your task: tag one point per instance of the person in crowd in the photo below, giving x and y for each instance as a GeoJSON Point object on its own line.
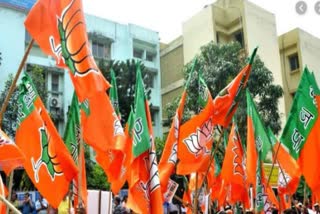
{"type": "Point", "coordinates": [316, 208]}
{"type": "Point", "coordinates": [65, 206]}
{"type": "Point", "coordinates": [14, 201]}
{"type": "Point", "coordinates": [41, 205]}
{"type": "Point", "coordinates": [27, 206]}
{"type": "Point", "coordinates": [118, 209]}
{"type": "Point", "coordinates": [124, 204]}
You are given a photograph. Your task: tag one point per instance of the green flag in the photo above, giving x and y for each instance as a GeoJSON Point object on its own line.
{"type": "Point", "coordinates": [262, 141]}
{"type": "Point", "coordinates": [302, 117]}
{"type": "Point", "coordinates": [113, 93]}
{"type": "Point", "coordinates": [141, 138]}
{"type": "Point", "coordinates": [72, 132]}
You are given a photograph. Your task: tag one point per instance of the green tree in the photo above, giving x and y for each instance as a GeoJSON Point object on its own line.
{"type": "Point", "coordinates": [220, 64]}
{"type": "Point", "coordinates": [125, 72]}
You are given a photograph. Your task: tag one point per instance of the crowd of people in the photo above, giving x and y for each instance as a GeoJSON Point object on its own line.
{"type": "Point", "coordinates": [40, 206]}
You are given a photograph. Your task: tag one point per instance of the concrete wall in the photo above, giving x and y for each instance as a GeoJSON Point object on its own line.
{"type": "Point", "coordinates": [197, 31]}
{"type": "Point", "coordinates": [260, 30]}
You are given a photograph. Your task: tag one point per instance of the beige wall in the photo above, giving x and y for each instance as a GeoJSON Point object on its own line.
{"type": "Point", "coordinates": [197, 31]}
{"type": "Point", "coordinates": [260, 30]}
{"type": "Point", "coordinates": [171, 64]}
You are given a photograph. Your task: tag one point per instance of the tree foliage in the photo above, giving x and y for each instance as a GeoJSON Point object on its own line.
{"type": "Point", "coordinates": [125, 72]}
{"type": "Point", "coordinates": [219, 65]}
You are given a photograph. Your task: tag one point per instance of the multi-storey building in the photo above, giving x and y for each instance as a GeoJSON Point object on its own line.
{"type": "Point", "coordinates": [108, 39]}
{"type": "Point", "coordinates": [221, 22]}
{"type": "Point", "coordinates": [297, 50]}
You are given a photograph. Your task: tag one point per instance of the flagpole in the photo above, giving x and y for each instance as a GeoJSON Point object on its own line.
{"type": "Point", "coordinates": [80, 207]}
{"type": "Point", "coordinates": [4, 200]}
{"type": "Point", "coordinates": [10, 188]}
{"type": "Point", "coordinates": [14, 82]}
{"type": "Point", "coordinates": [183, 202]}
{"type": "Point", "coordinates": [196, 195]}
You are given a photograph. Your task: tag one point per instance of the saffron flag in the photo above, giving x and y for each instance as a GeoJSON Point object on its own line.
{"type": "Point", "coordinates": [195, 136]}
{"type": "Point", "coordinates": [144, 183]}
{"type": "Point", "coordinates": [48, 162]}
{"type": "Point", "coordinates": [112, 159]}
{"type": "Point", "coordinates": [61, 33]}
{"type": "Point", "coordinates": [72, 138]}
{"type": "Point", "coordinates": [289, 176]}
{"type": "Point", "coordinates": [233, 170]}
{"type": "Point", "coordinates": [258, 148]}
{"type": "Point", "coordinates": [11, 156]}
{"type": "Point", "coordinates": [226, 102]}
{"type": "Point", "coordinates": [257, 140]}
{"type": "Point", "coordinates": [301, 132]}
{"type": "Point", "coordinates": [117, 184]}
{"type": "Point", "coordinates": [3, 194]}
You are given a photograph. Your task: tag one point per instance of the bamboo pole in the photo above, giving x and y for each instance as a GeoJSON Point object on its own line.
{"type": "Point", "coordinates": [196, 195]}
{"type": "Point", "coordinates": [4, 200]}
{"type": "Point", "coordinates": [80, 205]}
{"type": "Point", "coordinates": [14, 82]}
{"type": "Point", "coordinates": [10, 188]}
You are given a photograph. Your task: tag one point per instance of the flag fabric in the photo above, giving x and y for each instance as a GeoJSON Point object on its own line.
{"type": "Point", "coordinates": [258, 148]}
{"type": "Point", "coordinates": [48, 162]}
{"type": "Point", "coordinates": [257, 140]}
{"type": "Point", "coordinates": [233, 170]}
{"type": "Point", "coordinates": [301, 133]}
{"type": "Point", "coordinates": [11, 156]}
{"type": "Point", "coordinates": [111, 159]}
{"type": "Point", "coordinates": [195, 136]}
{"type": "Point", "coordinates": [61, 33]}
{"type": "Point", "coordinates": [226, 102]}
{"type": "Point", "coordinates": [117, 184]}
{"type": "Point", "coordinates": [144, 183]}
{"type": "Point", "coordinates": [72, 138]}
{"type": "Point", "coordinates": [289, 175]}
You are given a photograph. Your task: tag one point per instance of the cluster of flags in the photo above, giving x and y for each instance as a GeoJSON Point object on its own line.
{"type": "Point", "coordinates": [129, 155]}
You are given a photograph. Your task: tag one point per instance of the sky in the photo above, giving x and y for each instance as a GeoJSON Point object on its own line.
{"type": "Point", "coordinates": [167, 16]}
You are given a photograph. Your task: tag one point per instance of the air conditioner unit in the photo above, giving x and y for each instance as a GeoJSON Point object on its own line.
{"type": "Point", "coordinates": [55, 102]}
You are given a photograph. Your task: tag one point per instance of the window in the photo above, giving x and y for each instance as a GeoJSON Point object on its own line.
{"type": "Point", "coordinates": [55, 82]}
{"type": "Point", "coordinates": [239, 38]}
{"type": "Point", "coordinates": [150, 56]}
{"type": "Point", "coordinates": [149, 78]}
{"type": "Point", "coordinates": [293, 62]}
{"type": "Point", "coordinates": [218, 37]}
{"type": "Point", "coordinates": [154, 115]}
{"type": "Point", "coordinates": [100, 50]}
{"type": "Point", "coordinates": [138, 53]}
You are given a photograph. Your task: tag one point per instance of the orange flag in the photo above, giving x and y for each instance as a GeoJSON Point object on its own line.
{"type": "Point", "coordinates": [144, 183]}
{"type": "Point", "coordinates": [49, 163]}
{"type": "Point", "coordinates": [169, 156]}
{"type": "Point", "coordinates": [61, 33]}
{"type": "Point", "coordinates": [195, 136]}
{"type": "Point", "coordinates": [226, 102]}
{"type": "Point", "coordinates": [289, 181]}
{"type": "Point", "coordinates": [11, 156]}
{"type": "Point", "coordinates": [233, 170]}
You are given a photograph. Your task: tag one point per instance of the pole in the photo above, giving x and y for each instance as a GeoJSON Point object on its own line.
{"type": "Point", "coordinates": [10, 188]}
{"type": "Point", "coordinates": [196, 195]}
{"type": "Point", "coordinates": [4, 200]}
{"type": "Point", "coordinates": [80, 205]}
{"type": "Point", "coordinates": [14, 82]}
{"type": "Point", "coordinates": [183, 202]}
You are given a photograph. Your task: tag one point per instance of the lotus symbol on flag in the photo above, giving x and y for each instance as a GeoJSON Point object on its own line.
{"type": "Point", "coordinates": [196, 142]}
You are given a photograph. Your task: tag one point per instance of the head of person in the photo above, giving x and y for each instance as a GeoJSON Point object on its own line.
{"type": "Point", "coordinates": [316, 207]}
{"type": "Point", "coordinates": [14, 196]}
{"type": "Point", "coordinates": [116, 200]}
{"type": "Point", "coordinates": [26, 196]}
{"type": "Point", "coordinates": [125, 198]}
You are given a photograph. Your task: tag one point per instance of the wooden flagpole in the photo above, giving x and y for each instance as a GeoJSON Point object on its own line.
{"type": "Point", "coordinates": [196, 195]}
{"type": "Point", "coordinates": [80, 205]}
{"type": "Point", "coordinates": [10, 188]}
{"type": "Point", "coordinates": [4, 200]}
{"type": "Point", "coordinates": [14, 82]}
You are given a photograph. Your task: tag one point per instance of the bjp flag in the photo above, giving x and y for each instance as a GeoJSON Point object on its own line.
{"type": "Point", "coordinates": [11, 156]}
{"type": "Point", "coordinates": [226, 102]}
{"type": "Point", "coordinates": [48, 162]}
{"type": "Point", "coordinates": [61, 33]}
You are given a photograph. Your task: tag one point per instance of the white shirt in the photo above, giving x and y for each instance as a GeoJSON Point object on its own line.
{"type": "Point", "coordinates": [38, 206]}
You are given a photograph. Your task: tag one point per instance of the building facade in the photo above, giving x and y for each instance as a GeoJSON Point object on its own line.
{"type": "Point", "coordinates": [222, 22]}
{"type": "Point", "coordinates": [108, 39]}
{"type": "Point", "coordinates": [297, 50]}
